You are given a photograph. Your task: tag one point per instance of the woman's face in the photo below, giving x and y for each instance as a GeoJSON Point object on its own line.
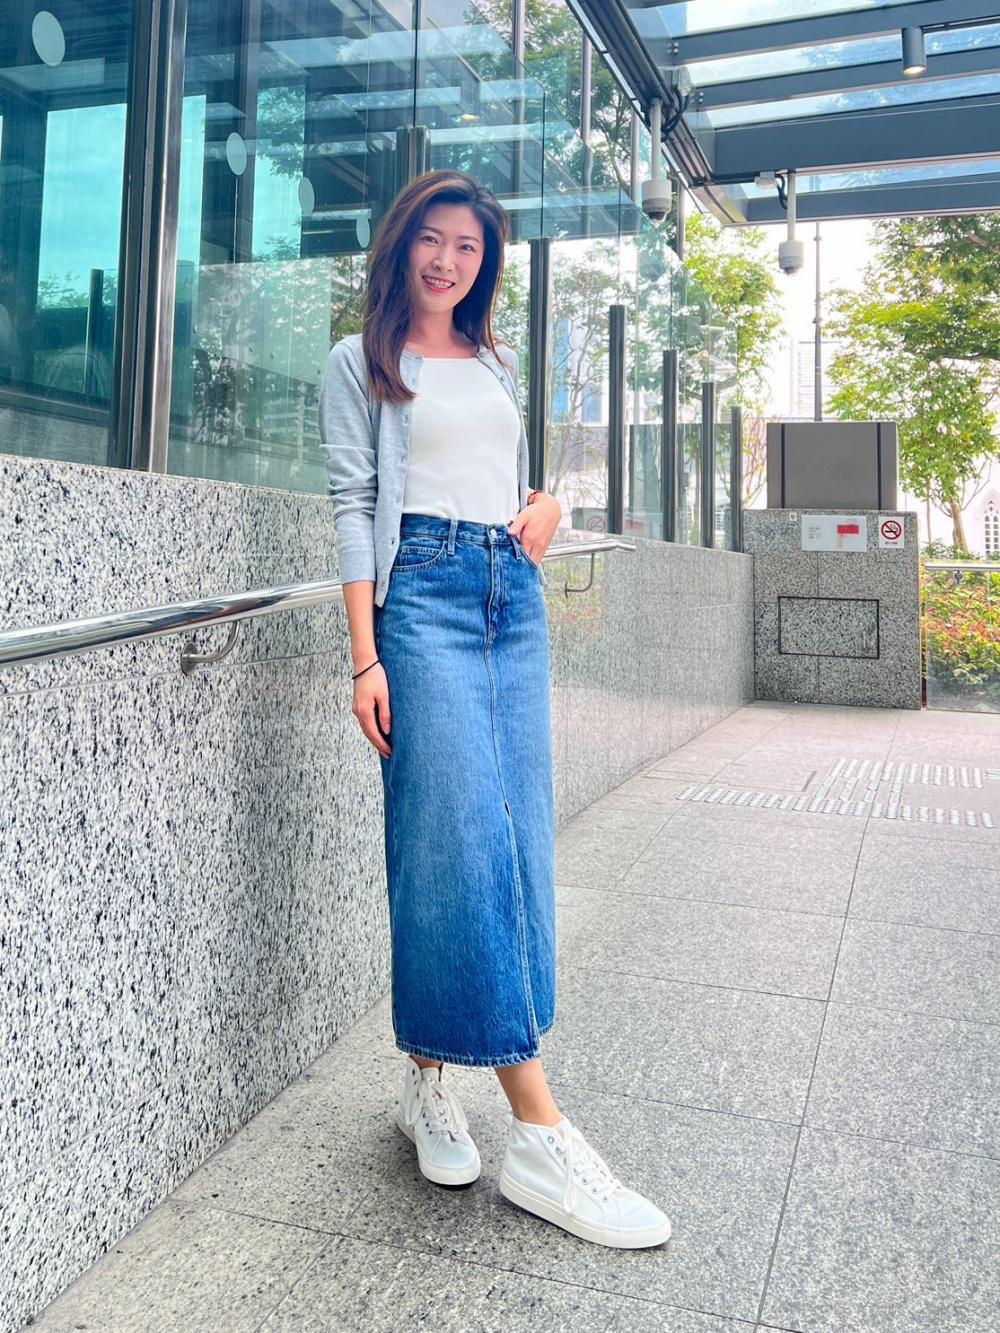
{"type": "Point", "coordinates": [445, 257]}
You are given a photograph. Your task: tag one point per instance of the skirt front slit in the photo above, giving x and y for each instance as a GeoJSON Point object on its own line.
{"type": "Point", "coordinates": [469, 823]}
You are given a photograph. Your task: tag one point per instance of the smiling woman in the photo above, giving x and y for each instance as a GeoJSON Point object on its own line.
{"type": "Point", "coordinates": [440, 546]}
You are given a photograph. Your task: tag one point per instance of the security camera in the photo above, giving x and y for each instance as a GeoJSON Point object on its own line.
{"type": "Point", "coordinates": [791, 252]}
{"type": "Point", "coordinates": [656, 192]}
{"type": "Point", "coordinates": [791, 256]}
{"type": "Point", "coordinates": [656, 199]}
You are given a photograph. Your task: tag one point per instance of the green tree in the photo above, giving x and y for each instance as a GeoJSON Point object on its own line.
{"type": "Point", "coordinates": [553, 46]}
{"type": "Point", "coordinates": [921, 346]}
{"type": "Point", "coordinates": [735, 269]}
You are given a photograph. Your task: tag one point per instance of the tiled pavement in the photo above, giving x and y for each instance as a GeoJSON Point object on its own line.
{"type": "Point", "coordinates": [781, 1023]}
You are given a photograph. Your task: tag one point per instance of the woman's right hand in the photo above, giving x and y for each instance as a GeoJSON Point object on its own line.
{"type": "Point", "coordinates": [371, 692]}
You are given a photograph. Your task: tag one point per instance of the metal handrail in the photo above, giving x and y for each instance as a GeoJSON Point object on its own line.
{"type": "Point", "coordinates": [21, 646]}
{"type": "Point", "coordinates": [993, 566]}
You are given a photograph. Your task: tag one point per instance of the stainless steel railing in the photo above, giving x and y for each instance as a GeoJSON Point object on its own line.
{"type": "Point", "coordinates": [22, 646]}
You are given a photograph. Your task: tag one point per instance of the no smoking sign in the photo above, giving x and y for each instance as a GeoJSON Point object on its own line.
{"type": "Point", "coordinates": [890, 532]}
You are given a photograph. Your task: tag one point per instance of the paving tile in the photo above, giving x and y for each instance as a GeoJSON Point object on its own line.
{"type": "Point", "coordinates": [618, 817]}
{"type": "Point", "coordinates": [743, 873]}
{"type": "Point", "coordinates": [775, 776]}
{"type": "Point", "coordinates": [932, 1082]}
{"type": "Point", "coordinates": [791, 831]}
{"type": "Point", "coordinates": [946, 896]}
{"type": "Point", "coordinates": [720, 1179]}
{"type": "Point", "coordinates": [722, 1050]}
{"type": "Point", "coordinates": [187, 1267]}
{"type": "Point", "coordinates": [374, 1288]}
{"type": "Point", "coordinates": [598, 857]}
{"type": "Point", "coordinates": [945, 973]}
{"type": "Point", "coordinates": [898, 857]}
{"type": "Point", "coordinates": [654, 788]}
{"type": "Point", "coordinates": [959, 835]}
{"type": "Point", "coordinates": [310, 1156]}
{"type": "Point", "coordinates": [881, 1238]}
{"type": "Point", "coordinates": [789, 953]}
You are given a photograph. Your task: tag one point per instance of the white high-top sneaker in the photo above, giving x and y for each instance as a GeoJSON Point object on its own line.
{"type": "Point", "coordinates": [429, 1114]}
{"type": "Point", "coordinates": [554, 1173]}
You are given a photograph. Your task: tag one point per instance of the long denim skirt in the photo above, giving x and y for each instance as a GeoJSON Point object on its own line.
{"type": "Point", "coordinates": [469, 823]}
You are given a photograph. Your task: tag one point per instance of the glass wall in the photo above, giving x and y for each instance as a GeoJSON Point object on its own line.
{"type": "Point", "coordinates": [63, 93]}
{"type": "Point", "coordinates": [298, 123]}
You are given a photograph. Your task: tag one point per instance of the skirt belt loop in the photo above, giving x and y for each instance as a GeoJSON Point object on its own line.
{"type": "Point", "coordinates": [452, 531]}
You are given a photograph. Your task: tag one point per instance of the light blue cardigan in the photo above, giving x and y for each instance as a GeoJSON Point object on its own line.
{"type": "Point", "coordinates": [367, 446]}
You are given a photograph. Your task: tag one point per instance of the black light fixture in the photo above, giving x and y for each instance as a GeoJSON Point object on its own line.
{"type": "Point", "coordinates": [914, 52]}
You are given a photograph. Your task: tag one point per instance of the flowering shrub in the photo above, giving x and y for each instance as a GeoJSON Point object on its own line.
{"type": "Point", "coordinates": [961, 626]}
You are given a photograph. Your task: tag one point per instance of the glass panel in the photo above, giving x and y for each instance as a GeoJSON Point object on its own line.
{"type": "Point", "coordinates": [682, 19]}
{"type": "Point", "coordinates": [62, 148]}
{"type": "Point", "coordinates": [835, 55]}
{"type": "Point", "coordinates": [288, 160]}
{"type": "Point", "coordinates": [585, 283]}
{"type": "Point", "coordinates": [902, 94]}
{"type": "Point", "coordinates": [654, 265]}
{"type": "Point", "coordinates": [485, 114]}
{"type": "Point", "coordinates": [868, 180]}
{"type": "Point", "coordinates": [961, 629]}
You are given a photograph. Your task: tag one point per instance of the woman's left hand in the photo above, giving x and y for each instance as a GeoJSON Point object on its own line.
{"type": "Point", "coordinates": [536, 524]}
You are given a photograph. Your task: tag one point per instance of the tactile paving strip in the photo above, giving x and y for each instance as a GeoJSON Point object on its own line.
{"type": "Point", "coordinates": [866, 788]}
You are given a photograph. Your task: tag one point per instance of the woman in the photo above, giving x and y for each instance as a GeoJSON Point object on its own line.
{"type": "Point", "coordinates": [440, 546]}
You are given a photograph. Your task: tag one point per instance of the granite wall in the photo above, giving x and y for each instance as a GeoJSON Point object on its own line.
{"type": "Point", "coordinates": [834, 627]}
{"type": "Point", "coordinates": [191, 878]}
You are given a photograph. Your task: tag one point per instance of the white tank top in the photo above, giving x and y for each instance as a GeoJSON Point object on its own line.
{"type": "Point", "coordinates": [464, 433]}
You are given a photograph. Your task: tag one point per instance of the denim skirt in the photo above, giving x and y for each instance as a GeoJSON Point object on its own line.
{"type": "Point", "coordinates": [469, 822]}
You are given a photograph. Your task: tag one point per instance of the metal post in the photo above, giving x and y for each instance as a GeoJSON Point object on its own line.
{"type": "Point", "coordinates": [616, 419]}
{"type": "Point", "coordinates": [670, 455]}
{"type": "Point", "coordinates": [517, 30]}
{"type": "Point", "coordinates": [413, 153]}
{"type": "Point", "coordinates": [586, 84]}
{"type": "Point", "coordinates": [818, 363]}
{"type": "Point", "coordinates": [140, 412]}
{"type": "Point", "coordinates": [517, 39]}
{"type": "Point", "coordinates": [586, 71]}
{"type": "Point", "coordinates": [539, 302]}
{"type": "Point", "coordinates": [680, 194]}
{"type": "Point", "coordinates": [247, 96]}
{"type": "Point", "coordinates": [94, 345]}
{"type": "Point", "coordinates": [736, 480]}
{"type": "Point", "coordinates": [22, 170]}
{"type": "Point", "coordinates": [708, 463]}
{"type": "Point", "coordinates": [633, 158]}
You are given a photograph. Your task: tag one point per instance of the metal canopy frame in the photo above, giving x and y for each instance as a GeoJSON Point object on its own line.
{"type": "Point", "coordinates": [861, 119]}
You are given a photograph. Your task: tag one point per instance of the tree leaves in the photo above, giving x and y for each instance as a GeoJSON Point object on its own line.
{"type": "Point", "coordinates": [921, 346]}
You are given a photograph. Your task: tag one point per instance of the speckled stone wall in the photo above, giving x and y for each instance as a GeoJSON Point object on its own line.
{"type": "Point", "coordinates": [834, 627]}
{"type": "Point", "coordinates": [191, 876]}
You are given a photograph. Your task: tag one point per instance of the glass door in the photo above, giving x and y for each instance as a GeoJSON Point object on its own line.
{"type": "Point", "coordinates": [63, 94]}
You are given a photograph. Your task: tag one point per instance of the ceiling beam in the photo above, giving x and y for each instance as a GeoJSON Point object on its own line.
{"type": "Point", "coordinates": [821, 29]}
{"type": "Point", "coordinates": [608, 24]}
{"type": "Point", "coordinates": [938, 131]}
{"type": "Point", "coordinates": [846, 79]}
{"type": "Point", "coordinates": [968, 194]}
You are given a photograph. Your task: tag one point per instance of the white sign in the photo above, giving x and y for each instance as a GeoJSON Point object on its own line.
{"type": "Point", "coordinates": [890, 531]}
{"type": "Point", "coordinates": [834, 532]}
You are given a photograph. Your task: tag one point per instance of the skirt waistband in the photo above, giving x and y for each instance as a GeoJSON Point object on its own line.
{"type": "Point", "coordinates": [454, 530]}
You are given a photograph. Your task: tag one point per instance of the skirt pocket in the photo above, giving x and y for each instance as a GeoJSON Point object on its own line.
{"type": "Point", "coordinates": [417, 553]}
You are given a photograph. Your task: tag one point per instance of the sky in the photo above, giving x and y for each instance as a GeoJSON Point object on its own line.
{"type": "Point", "coordinates": [844, 252]}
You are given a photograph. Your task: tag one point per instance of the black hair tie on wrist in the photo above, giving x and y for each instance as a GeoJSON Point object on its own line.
{"type": "Point", "coordinates": [364, 669]}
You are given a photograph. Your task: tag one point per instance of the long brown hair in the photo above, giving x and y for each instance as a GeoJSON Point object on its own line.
{"type": "Point", "coordinates": [388, 306]}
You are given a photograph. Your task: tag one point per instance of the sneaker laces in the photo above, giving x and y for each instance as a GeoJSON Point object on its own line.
{"type": "Point", "coordinates": [443, 1109]}
{"type": "Point", "coordinates": [586, 1170]}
